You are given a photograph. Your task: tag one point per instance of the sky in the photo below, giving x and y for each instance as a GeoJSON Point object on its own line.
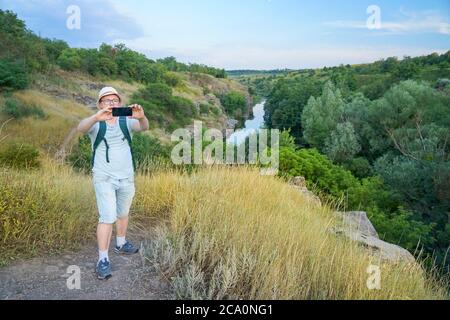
{"type": "Point", "coordinates": [248, 34]}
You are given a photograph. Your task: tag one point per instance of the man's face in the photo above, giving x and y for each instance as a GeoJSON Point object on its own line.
{"type": "Point", "coordinates": [110, 100]}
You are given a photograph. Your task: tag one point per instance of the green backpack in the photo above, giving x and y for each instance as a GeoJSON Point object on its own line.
{"type": "Point", "coordinates": [101, 138]}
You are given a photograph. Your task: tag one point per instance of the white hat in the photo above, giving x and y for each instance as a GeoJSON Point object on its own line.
{"type": "Point", "coordinates": [106, 91]}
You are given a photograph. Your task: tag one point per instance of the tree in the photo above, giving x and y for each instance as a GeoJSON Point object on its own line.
{"type": "Point", "coordinates": [286, 101]}
{"type": "Point", "coordinates": [321, 116]}
{"type": "Point", "coordinates": [13, 75]}
{"type": "Point", "coordinates": [70, 60]}
{"type": "Point", "coordinates": [233, 101]}
{"type": "Point", "coordinates": [343, 144]}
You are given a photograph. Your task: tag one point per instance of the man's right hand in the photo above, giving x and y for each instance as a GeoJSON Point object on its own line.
{"type": "Point", "coordinates": [104, 115]}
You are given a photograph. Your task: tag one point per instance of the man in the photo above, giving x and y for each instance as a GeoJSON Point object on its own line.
{"type": "Point", "coordinates": [113, 172]}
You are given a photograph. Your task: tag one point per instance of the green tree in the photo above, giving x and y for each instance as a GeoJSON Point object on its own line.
{"type": "Point", "coordinates": [342, 145]}
{"type": "Point", "coordinates": [321, 116]}
{"type": "Point", "coordinates": [13, 75]}
{"type": "Point", "coordinates": [232, 102]}
{"type": "Point", "coordinates": [70, 60]}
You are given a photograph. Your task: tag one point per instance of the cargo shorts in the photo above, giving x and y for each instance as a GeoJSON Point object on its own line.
{"type": "Point", "coordinates": [114, 197]}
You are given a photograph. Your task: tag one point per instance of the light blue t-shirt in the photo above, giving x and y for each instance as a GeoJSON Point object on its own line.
{"type": "Point", "coordinates": [120, 164]}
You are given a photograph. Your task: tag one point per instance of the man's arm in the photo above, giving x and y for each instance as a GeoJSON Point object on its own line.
{"type": "Point", "coordinates": [140, 125]}
{"type": "Point", "coordinates": [86, 125]}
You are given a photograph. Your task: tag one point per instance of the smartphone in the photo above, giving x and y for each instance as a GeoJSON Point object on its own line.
{"type": "Point", "coordinates": [122, 112]}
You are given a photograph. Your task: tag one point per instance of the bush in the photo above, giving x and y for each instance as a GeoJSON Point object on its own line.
{"type": "Point", "coordinates": [81, 157]}
{"type": "Point", "coordinates": [204, 108]}
{"type": "Point", "coordinates": [400, 227]}
{"type": "Point", "coordinates": [20, 156]}
{"type": "Point", "coordinates": [70, 60]}
{"type": "Point", "coordinates": [360, 167]}
{"type": "Point", "coordinates": [232, 102]}
{"type": "Point", "coordinates": [170, 111]}
{"type": "Point", "coordinates": [146, 149]}
{"type": "Point", "coordinates": [157, 93]}
{"type": "Point", "coordinates": [183, 109]}
{"type": "Point", "coordinates": [172, 79]}
{"type": "Point", "coordinates": [17, 110]}
{"type": "Point", "coordinates": [13, 75]}
{"type": "Point", "coordinates": [317, 169]}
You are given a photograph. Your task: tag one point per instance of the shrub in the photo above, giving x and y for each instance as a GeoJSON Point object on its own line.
{"type": "Point", "coordinates": [170, 111]}
{"type": "Point", "coordinates": [20, 156]}
{"type": "Point", "coordinates": [81, 156]}
{"type": "Point", "coordinates": [204, 108]}
{"type": "Point", "coordinates": [146, 149]}
{"type": "Point", "coordinates": [70, 60]}
{"type": "Point", "coordinates": [360, 167]}
{"type": "Point", "coordinates": [172, 79]}
{"type": "Point", "coordinates": [233, 101]}
{"type": "Point", "coordinates": [183, 109]}
{"type": "Point", "coordinates": [13, 75]}
{"type": "Point", "coordinates": [18, 110]}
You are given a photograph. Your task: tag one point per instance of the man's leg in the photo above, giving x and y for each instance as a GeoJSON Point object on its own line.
{"type": "Point", "coordinates": [106, 203]}
{"type": "Point", "coordinates": [104, 232]}
{"type": "Point", "coordinates": [125, 195]}
{"type": "Point", "coordinates": [122, 226]}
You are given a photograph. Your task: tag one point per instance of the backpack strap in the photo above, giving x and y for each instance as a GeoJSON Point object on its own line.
{"type": "Point", "coordinates": [100, 137]}
{"type": "Point", "coordinates": [126, 133]}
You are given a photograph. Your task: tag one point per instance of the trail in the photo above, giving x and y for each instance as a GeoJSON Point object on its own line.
{"type": "Point", "coordinates": [46, 278]}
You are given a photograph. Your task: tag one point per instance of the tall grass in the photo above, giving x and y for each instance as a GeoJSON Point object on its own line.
{"type": "Point", "coordinates": [44, 211]}
{"type": "Point", "coordinates": [219, 233]}
{"type": "Point", "coordinates": [233, 234]}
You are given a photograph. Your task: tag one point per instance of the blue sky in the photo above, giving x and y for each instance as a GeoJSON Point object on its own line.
{"type": "Point", "coordinates": [248, 34]}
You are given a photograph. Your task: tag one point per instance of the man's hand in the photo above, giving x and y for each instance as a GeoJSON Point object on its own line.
{"type": "Point", "coordinates": [138, 112]}
{"type": "Point", "coordinates": [104, 115]}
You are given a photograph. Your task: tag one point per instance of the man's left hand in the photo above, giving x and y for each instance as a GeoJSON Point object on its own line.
{"type": "Point", "coordinates": [138, 112]}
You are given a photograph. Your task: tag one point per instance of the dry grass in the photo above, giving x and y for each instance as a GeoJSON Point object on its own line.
{"type": "Point", "coordinates": [233, 234]}
{"type": "Point", "coordinates": [44, 211]}
{"type": "Point", "coordinates": [223, 234]}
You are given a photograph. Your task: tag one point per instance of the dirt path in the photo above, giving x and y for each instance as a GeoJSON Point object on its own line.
{"type": "Point", "coordinates": [62, 152]}
{"type": "Point", "coordinates": [47, 278]}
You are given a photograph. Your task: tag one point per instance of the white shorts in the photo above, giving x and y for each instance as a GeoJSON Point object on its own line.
{"type": "Point", "coordinates": [114, 197]}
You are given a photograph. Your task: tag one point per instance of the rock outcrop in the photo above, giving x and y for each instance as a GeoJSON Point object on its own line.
{"type": "Point", "coordinates": [299, 183]}
{"type": "Point", "coordinates": [357, 227]}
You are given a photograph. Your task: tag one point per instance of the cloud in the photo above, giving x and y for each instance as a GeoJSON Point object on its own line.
{"type": "Point", "coordinates": [414, 22]}
{"type": "Point", "coordinates": [100, 20]}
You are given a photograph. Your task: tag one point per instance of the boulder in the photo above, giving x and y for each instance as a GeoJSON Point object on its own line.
{"type": "Point", "coordinates": [358, 220]}
{"type": "Point", "coordinates": [357, 227]}
{"type": "Point", "coordinates": [299, 183]}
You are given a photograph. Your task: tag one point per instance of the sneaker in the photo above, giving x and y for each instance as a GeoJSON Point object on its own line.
{"type": "Point", "coordinates": [103, 269]}
{"type": "Point", "coordinates": [127, 248]}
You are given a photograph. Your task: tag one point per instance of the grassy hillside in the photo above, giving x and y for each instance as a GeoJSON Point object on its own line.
{"type": "Point", "coordinates": [219, 233]}
{"type": "Point", "coordinates": [67, 97]}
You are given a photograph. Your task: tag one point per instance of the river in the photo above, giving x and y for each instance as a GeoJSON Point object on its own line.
{"type": "Point", "coordinates": [251, 126]}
